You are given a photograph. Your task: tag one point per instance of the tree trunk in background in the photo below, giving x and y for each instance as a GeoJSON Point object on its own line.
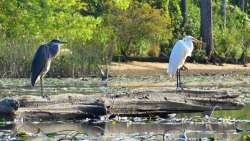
{"type": "Point", "coordinates": [241, 4]}
{"type": "Point", "coordinates": [224, 12]}
{"type": "Point", "coordinates": [243, 57]}
{"type": "Point", "coordinates": [184, 12]}
{"type": "Point", "coordinates": [206, 26]}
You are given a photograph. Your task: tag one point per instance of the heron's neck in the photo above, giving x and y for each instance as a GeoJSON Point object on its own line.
{"type": "Point", "coordinates": [54, 50]}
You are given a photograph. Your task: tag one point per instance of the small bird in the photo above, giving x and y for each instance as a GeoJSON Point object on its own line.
{"type": "Point", "coordinates": [42, 59]}
{"type": "Point", "coordinates": [182, 49]}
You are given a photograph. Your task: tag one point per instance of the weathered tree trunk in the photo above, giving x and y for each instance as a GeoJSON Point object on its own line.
{"type": "Point", "coordinates": [243, 59]}
{"type": "Point", "coordinates": [207, 26]}
{"type": "Point", "coordinates": [224, 12]}
{"type": "Point", "coordinates": [184, 12]}
{"type": "Point", "coordinates": [241, 4]}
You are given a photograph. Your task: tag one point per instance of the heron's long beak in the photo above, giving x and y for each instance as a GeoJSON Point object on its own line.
{"type": "Point", "coordinates": [63, 42]}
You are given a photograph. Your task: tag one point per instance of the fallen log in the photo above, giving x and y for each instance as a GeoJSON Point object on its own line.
{"type": "Point", "coordinates": [139, 102]}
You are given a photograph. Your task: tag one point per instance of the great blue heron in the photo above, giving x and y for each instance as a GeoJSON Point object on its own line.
{"type": "Point", "coordinates": [182, 49]}
{"type": "Point", "coordinates": [42, 59]}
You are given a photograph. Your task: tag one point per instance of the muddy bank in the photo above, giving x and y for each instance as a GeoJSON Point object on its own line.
{"type": "Point", "coordinates": [147, 68]}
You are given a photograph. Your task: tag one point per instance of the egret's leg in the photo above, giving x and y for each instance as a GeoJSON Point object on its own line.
{"type": "Point", "coordinates": [179, 74]}
{"type": "Point", "coordinates": [177, 79]}
{"type": "Point", "coordinates": [180, 84]}
{"type": "Point", "coordinates": [180, 80]}
{"type": "Point", "coordinates": [41, 82]}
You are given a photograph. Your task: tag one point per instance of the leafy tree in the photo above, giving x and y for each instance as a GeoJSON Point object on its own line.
{"type": "Point", "coordinates": [231, 41]}
{"type": "Point", "coordinates": [95, 29]}
{"type": "Point", "coordinates": [26, 24]}
{"type": "Point", "coordinates": [139, 23]}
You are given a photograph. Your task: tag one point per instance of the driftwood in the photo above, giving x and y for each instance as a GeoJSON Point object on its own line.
{"type": "Point", "coordinates": [135, 103]}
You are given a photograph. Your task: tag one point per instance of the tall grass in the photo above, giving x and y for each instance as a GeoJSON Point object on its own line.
{"type": "Point", "coordinates": [76, 58]}
{"type": "Point", "coordinates": [15, 57]}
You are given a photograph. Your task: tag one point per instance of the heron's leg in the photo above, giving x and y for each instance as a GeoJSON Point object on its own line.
{"type": "Point", "coordinates": [41, 82]}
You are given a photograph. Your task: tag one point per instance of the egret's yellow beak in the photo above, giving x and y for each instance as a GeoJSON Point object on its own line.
{"type": "Point", "coordinates": [199, 42]}
{"type": "Point", "coordinates": [196, 40]}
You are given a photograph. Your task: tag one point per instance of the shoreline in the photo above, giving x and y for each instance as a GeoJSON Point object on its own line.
{"type": "Point", "coordinates": [148, 68]}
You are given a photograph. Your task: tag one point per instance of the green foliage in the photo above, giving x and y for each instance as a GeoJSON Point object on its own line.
{"type": "Point", "coordinates": [237, 114]}
{"type": "Point", "coordinates": [27, 24]}
{"type": "Point", "coordinates": [231, 41]}
{"type": "Point", "coordinates": [122, 4]}
{"type": "Point", "coordinates": [97, 29]}
{"type": "Point", "coordinates": [227, 44]}
{"type": "Point", "coordinates": [176, 18]}
{"type": "Point", "coordinates": [193, 24]}
{"type": "Point", "coordinates": [138, 24]}
{"type": "Point", "coordinates": [45, 19]}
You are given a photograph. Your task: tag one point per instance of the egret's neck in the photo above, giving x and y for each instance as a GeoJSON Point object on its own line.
{"type": "Point", "coordinates": [190, 44]}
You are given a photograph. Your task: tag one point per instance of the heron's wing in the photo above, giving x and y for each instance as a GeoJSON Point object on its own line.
{"type": "Point", "coordinates": [39, 61]}
{"type": "Point", "coordinates": [177, 57]}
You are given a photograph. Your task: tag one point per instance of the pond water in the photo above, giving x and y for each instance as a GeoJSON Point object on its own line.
{"type": "Point", "coordinates": [128, 129]}
{"type": "Point", "coordinates": [223, 125]}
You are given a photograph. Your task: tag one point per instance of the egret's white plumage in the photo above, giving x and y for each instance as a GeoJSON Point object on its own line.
{"type": "Point", "coordinates": [182, 49]}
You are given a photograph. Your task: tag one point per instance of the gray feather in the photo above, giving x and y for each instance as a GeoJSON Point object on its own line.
{"type": "Point", "coordinates": [39, 63]}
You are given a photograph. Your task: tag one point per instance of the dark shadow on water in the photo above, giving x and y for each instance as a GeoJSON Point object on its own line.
{"type": "Point", "coordinates": [6, 117]}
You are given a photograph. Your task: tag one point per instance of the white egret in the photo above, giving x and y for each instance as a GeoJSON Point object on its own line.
{"type": "Point", "coordinates": [182, 49]}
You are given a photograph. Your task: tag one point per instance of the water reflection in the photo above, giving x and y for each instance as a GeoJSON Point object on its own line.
{"type": "Point", "coordinates": [127, 130]}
